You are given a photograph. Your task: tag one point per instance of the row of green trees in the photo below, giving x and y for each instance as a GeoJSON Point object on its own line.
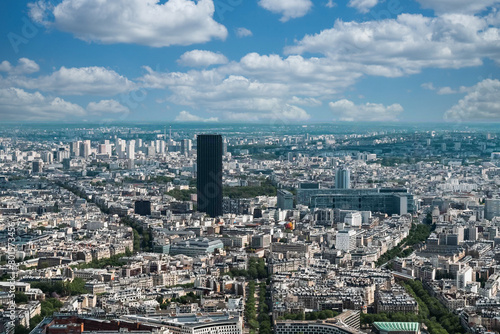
{"type": "Point", "coordinates": [264, 318]}
{"type": "Point", "coordinates": [189, 298]}
{"type": "Point", "coordinates": [258, 319]}
{"type": "Point", "coordinates": [265, 189]}
{"type": "Point", "coordinates": [76, 287]}
{"type": "Point", "coordinates": [325, 314]}
{"type": "Point", "coordinates": [182, 194]}
{"type": "Point", "coordinates": [143, 238]}
{"type": "Point", "coordinates": [113, 261]}
{"type": "Point", "coordinates": [430, 308]}
{"type": "Point", "coordinates": [431, 312]}
{"type": "Point", "coordinates": [256, 269]}
{"type": "Point", "coordinates": [250, 309]}
{"type": "Point", "coordinates": [418, 233]}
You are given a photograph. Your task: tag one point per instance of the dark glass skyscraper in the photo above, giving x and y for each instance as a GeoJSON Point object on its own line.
{"type": "Point", "coordinates": [209, 179]}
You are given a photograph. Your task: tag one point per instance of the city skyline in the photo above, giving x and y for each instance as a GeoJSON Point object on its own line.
{"type": "Point", "coordinates": [253, 230]}
{"type": "Point", "coordinates": [266, 61]}
{"type": "Point", "coordinates": [249, 166]}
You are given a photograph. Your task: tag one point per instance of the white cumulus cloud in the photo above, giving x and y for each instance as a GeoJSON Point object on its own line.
{"type": "Point", "coordinates": [458, 6]}
{"type": "Point", "coordinates": [363, 6]}
{"type": "Point", "coordinates": [481, 103]}
{"type": "Point", "coordinates": [405, 45]}
{"type": "Point", "coordinates": [186, 116]}
{"type": "Point", "coordinates": [269, 87]}
{"type": "Point", "coordinates": [371, 112]}
{"type": "Point", "coordinates": [146, 22]}
{"type": "Point", "coordinates": [290, 9]}
{"type": "Point", "coordinates": [307, 101]}
{"type": "Point", "coordinates": [107, 106]}
{"type": "Point", "coordinates": [330, 4]}
{"type": "Point", "coordinates": [428, 86]}
{"type": "Point", "coordinates": [243, 32]}
{"type": "Point", "coordinates": [19, 105]}
{"type": "Point", "coordinates": [446, 91]}
{"type": "Point", "coordinates": [202, 58]}
{"type": "Point", "coordinates": [319, 68]}
{"type": "Point", "coordinates": [77, 81]}
{"type": "Point", "coordinates": [24, 66]}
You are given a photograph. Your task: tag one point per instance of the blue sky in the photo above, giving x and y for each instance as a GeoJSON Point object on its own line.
{"type": "Point", "coordinates": [250, 60]}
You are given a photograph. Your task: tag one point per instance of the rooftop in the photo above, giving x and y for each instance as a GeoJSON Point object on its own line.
{"type": "Point", "coordinates": [397, 326]}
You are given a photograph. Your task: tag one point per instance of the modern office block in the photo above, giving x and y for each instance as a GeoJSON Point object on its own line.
{"type": "Point", "coordinates": [85, 148]}
{"type": "Point", "coordinates": [346, 240]}
{"type": "Point", "coordinates": [196, 247]}
{"type": "Point", "coordinates": [130, 149]}
{"type": "Point", "coordinates": [209, 174]}
{"type": "Point", "coordinates": [66, 163]}
{"type": "Point", "coordinates": [186, 146]}
{"type": "Point", "coordinates": [492, 208]}
{"type": "Point", "coordinates": [285, 200]}
{"type": "Point", "coordinates": [143, 208]}
{"type": "Point", "coordinates": [75, 149]}
{"type": "Point", "coordinates": [343, 178]}
{"type": "Point", "coordinates": [387, 200]}
{"type": "Point", "coordinates": [37, 166]}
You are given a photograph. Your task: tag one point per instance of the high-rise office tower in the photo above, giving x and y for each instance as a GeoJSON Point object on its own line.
{"type": "Point", "coordinates": [130, 149]}
{"type": "Point", "coordinates": [492, 208]}
{"type": "Point", "coordinates": [75, 149]}
{"type": "Point", "coordinates": [285, 200]}
{"type": "Point", "coordinates": [343, 178]}
{"type": "Point", "coordinates": [163, 147]}
{"type": "Point", "coordinates": [224, 147]}
{"type": "Point", "coordinates": [121, 149]}
{"type": "Point", "coordinates": [66, 163]}
{"type": "Point", "coordinates": [48, 157]}
{"type": "Point", "coordinates": [143, 208]}
{"type": "Point", "coordinates": [186, 146]}
{"type": "Point", "coordinates": [85, 148]}
{"type": "Point", "coordinates": [61, 154]}
{"type": "Point", "coordinates": [37, 166]}
{"type": "Point", "coordinates": [346, 240]}
{"type": "Point", "coordinates": [209, 179]}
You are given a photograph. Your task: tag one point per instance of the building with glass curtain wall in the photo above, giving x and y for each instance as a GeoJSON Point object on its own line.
{"type": "Point", "coordinates": [209, 174]}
